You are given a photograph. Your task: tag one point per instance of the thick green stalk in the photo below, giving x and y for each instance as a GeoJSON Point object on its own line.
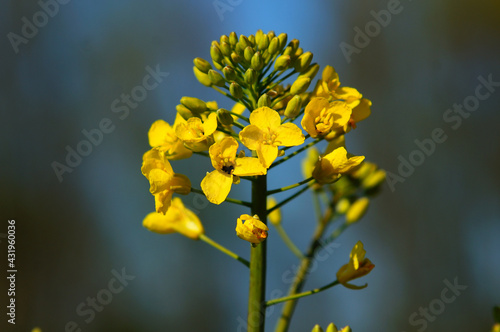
{"type": "Point", "coordinates": [256, 298]}
{"type": "Point", "coordinates": [288, 308]}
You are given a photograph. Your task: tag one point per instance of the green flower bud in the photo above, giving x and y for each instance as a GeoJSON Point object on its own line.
{"type": "Point", "coordinates": [271, 34]}
{"type": "Point", "coordinates": [216, 78]}
{"type": "Point", "coordinates": [202, 77]}
{"type": "Point", "coordinates": [250, 76]}
{"type": "Point", "coordinates": [251, 39]}
{"type": "Point", "coordinates": [244, 41]}
{"type": "Point", "coordinates": [303, 61]}
{"type": "Point", "coordinates": [300, 85]}
{"type": "Point", "coordinates": [331, 328]}
{"type": "Point", "coordinates": [264, 43]}
{"type": "Point", "coordinates": [248, 53]}
{"type": "Point", "coordinates": [298, 53]}
{"type": "Point", "coordinates": [342, 206]}
{"type": "Point", "coordinates": [215, 53]}
{"type": "Point", "coordinates": [229, 73]}
{"type": "Point", "coordinates": [202, 64]}
{"type": "Point", "coordinates": [233, 38]}
{"type": "Point", "coordinates": [264, 100]}
{"type": "Point", "coordinates": [184, 112]}
{"type": "Point", "coordinates": [195, 105]}
{"type": "Point", "coordinates": [235, 57]}
{"type": "Point", "coordinates": [225, 48]}
{"type": "Point", "coordinates": [294, 44]}
{"type": "Point", "coordinates": [224, 117]}
{"type": "Point", "coordinates": [258, 36]}
{"type": "Point", "coordinates": [235, 90]}
{"type": "Point", "coordinates": [257, 62]}
{"type": "Point", "coordinates": [293, 107]}
{"type": "Point", "coordinates": [357, 210]}
{"type": "Point", "coordinates": [282, 62]}
{"type": "Point", "coordinates": [283, 37]}
{"type": "Point", "coordinates": [317, 328]}
{"type": "Point", "coordinates": [373, 179]}
{"type": "Point", "coordinates": [311, 71]}
{"type": "Point", "coordinates": [224, 39]}
{"type": "Point", "coordinates": [274, 46]}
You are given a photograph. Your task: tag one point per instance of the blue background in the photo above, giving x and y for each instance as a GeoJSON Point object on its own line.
{"type": "Point", "coordinates": [441, 223]}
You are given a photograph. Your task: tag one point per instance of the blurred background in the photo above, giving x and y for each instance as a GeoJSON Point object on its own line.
{"type": "Point", "coordinates": [75, 233]}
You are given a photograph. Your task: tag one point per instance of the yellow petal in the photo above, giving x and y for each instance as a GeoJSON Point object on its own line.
{"type": "Point", "coordinates": [267, 154]}
{"type": "Point", "coordinates": [362, 111]}
{"type": "Point", "coordinates": [251, 136]}
{"type": "Point", "coordinates": [216, 186]}
{"type": "Point", "coordinates": [158, 223]}
{"type": "Point", "coordinates": [341, 112]}
{"type": "Point", "coordinates": [159, 180]}
{"type": "Point", "coordinates": [180, 184]}
{"type": "Point", "coordinates": [163, 200]}
{"type": "Point", "coordinates": [289, 134]}
{"type": "Point", "coordinates": [265, 118]}
{"type": "Point", "coordinates": [158, 131]}
{"type": "Point", "coordinates": [248, 166]}
{"type": "Point", "coordinates": [210, 125]}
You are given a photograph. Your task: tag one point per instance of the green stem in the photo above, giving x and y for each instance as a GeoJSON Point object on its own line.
{"type": "Point", "coordinates": [257, 287]}
{"type": "Point", "coordinates": [280, 204]}
{"type": "Point", "coordinates": [336, 233]}
{"type": "Point", "coordinates": [240, 116]}
{"type": "Point", "coordinates": [229, 200]}
{"type": "Point", "coordinates": [303, 294]}
{"type": "Point", "coordinates": [274, 191]}
{"type": "Point", "coordinates": [228, 252]}
{"type": "Point", "coordinates": [305, 147]}
{"type": "Point", "coordinates": [289, 307]}
{"type": "Point", "coordinates": [288, 242]}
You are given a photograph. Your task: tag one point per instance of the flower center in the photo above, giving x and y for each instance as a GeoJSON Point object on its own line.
{"type": "Point", "coordinates": [226, 164]}
{"type": "Point", "coordinates": [324, 121]}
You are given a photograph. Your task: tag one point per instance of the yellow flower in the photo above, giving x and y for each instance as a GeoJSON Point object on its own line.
{"type": "Point", "coordinates": [330, 167]}
{"type": "Point", "coordinates": [177, 219]}
{"type": "Point", "coordinates": [329, 87]}
{"type": "Point", "coordinates": [321, 117]}
{"type": "Point", "coordinates": [162, 137]}
{"type": "Point", "coordinates": [275, 216]}
{"type": "Point", "coordinates": [197, 134]}
{"type": "Point", "coordinates": [251, 229]}
{"type": "Point", "coordinates": [162, 179]}
{"type": "Point", "coordinates": [217, 184]}
{"type": "Point", "coordinates": [357, 267]}
{"type": "Point", "coordinates": [265, 133]}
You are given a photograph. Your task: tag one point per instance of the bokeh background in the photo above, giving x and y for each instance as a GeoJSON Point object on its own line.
{"type": "Point", "coordinates": [441, 223]}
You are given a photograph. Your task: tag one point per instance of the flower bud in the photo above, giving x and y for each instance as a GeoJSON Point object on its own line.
{"type": "Point", "coordinates": [251, 39]}
{"type": "Point", "coordinates": [257, 62]}
{"type": "Point", "coordinates": [194, 104]}
{"type": "Point", "coordinates": [274, 46]}
{"type": "Point", "coordinates": [311, 71]}
{"type": "Point", "coordinates": [202, 64]}
{"type": "Point", "coordinates": [293, 107]}
{"type": "Point", "coordinates": [250, 76]}
{"type": "Point", "coordinates": [357, 210]}
{"type": "Point", "coordinates": [258, 36]}
{"type": "Point", "coordinates": [331, 328]}
{"type": "Point", "coordinates": [275, 216]}
{"type": "Point", "coordinates": [224, 39]}
{"type": "Point", "coordinates": [264, 100]}
{"type": "Point", "coordinates": [215, 53]}
{"type": "Point", "coordinates": [342, 206]}
{"type": "Point", "coordinates": [244, 41]}
{"type": "Point", "coordinates": [251, 229]}
{"type": "Point", "coordinates": [235, 58]}
{"type": "Point", "coordinates": [235, 90]}
{"type": "Point", "coordinates": [374, 179]}
{"type": "Point", "coordinates": [225, 48]}
{"type": "Point", "coordinates": [224, 117]}
{"type": "Point", "coordinates": [282, 62]}
{"type": "Point", "coordinates": [288, 51]}
{"type": "Point", "coordinates": [233, 38]}
{"type": "Point", "coordinates": [229, 73]}
{"type": "Point", "coordinates": [300, 85]}
{"type": "Point", "coordinates": [303, 61]}
{"type": "Point", "coordinates": [248, 53]}
{"type": "Point", "coordinates": [283, 37]}
{"type": "Point", "coordinates": [202, 77]}
{"type": "Point", "coordinates": [271, 34]}
{"type": "Point", "coordinates": [294, 44]}
{"type": "Point", "coordinates": [263, 43]}
{"type": "Point", "coordinates": [184, 112]}
{"type": "Point", "coordinates": [216, 78]}
{"type": "Point", "coordinates": [317, 328]}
